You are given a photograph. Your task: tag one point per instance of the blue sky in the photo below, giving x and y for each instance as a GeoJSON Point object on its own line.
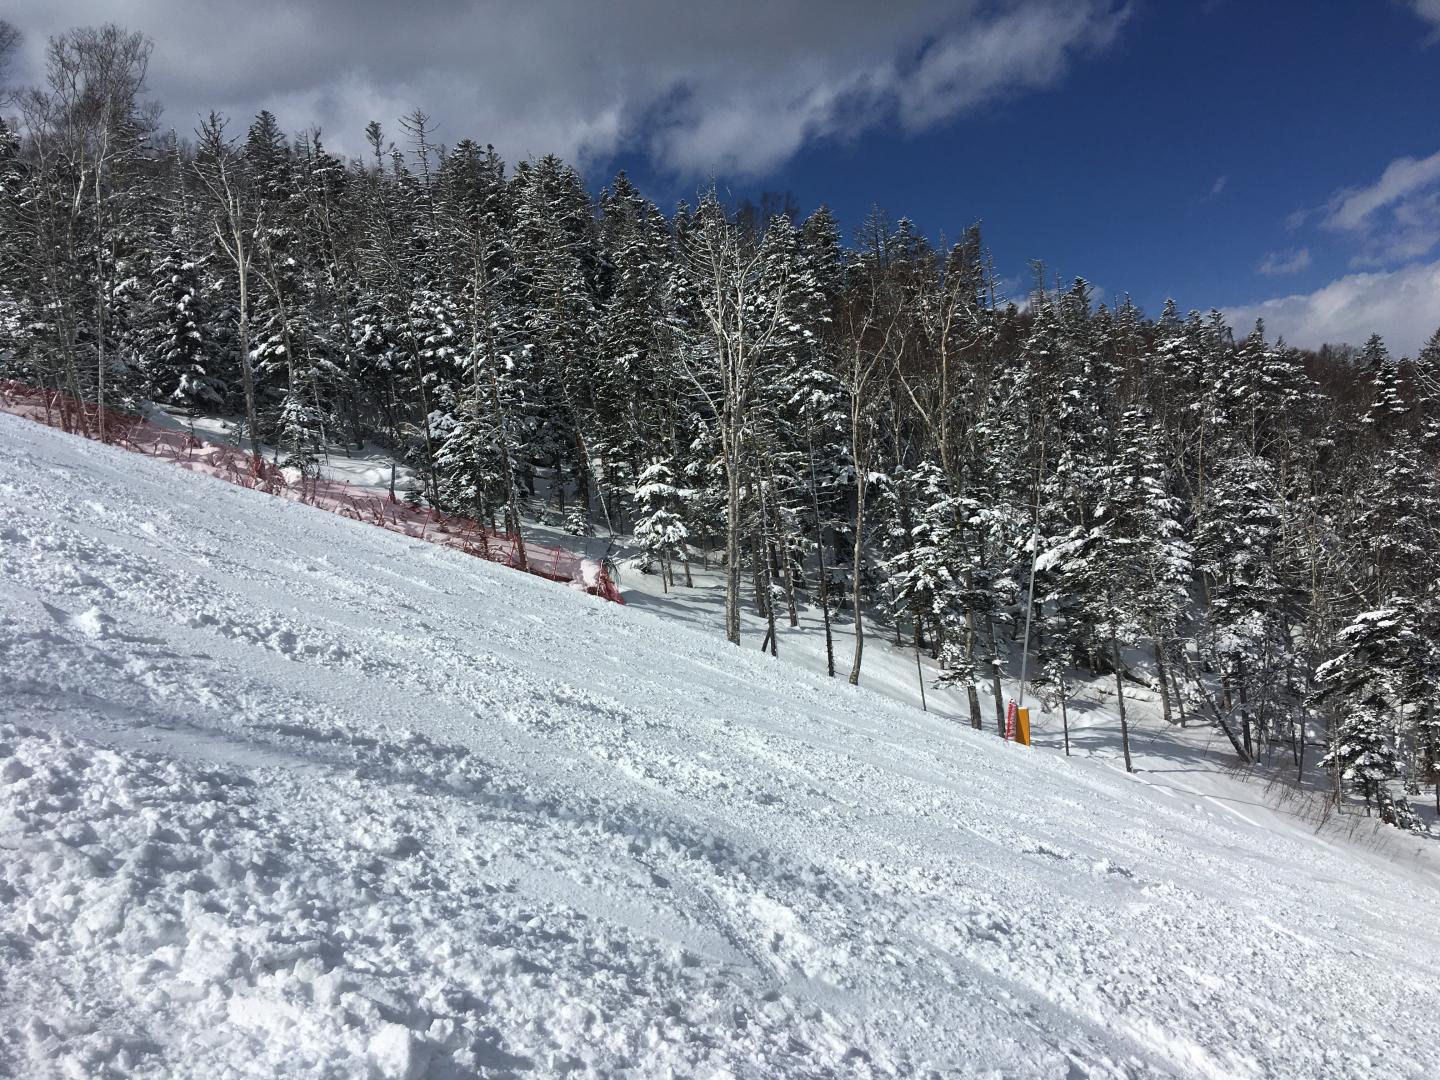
{"type": "Point", "coordinates": [1179, 161]}
{"type": "Point", "coordinates": [1270, 157]}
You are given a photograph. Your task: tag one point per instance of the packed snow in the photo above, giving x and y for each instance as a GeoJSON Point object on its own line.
{"type": "Point", "coordinates": [285, 795]}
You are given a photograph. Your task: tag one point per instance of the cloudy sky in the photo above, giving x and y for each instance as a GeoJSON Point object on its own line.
{"type": "Point", "coordinates": [1278, 159]}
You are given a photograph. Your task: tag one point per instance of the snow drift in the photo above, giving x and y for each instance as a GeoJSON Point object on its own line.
{"type": "Point", "coordinates": [281, 794]}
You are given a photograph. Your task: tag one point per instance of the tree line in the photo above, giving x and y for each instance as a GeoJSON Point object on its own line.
{"type": "Point", "coordinates": [866, 424]}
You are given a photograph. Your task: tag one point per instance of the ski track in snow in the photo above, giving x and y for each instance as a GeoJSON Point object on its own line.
{"type": "Point", "coordinates": [283, 794]}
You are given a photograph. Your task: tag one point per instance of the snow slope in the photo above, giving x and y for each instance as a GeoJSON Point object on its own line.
{"type": "Point", "coordinates": [286, 795]}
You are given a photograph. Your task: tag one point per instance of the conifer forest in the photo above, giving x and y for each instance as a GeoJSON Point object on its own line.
{"type": "Point", "coordinates": [865, 422]}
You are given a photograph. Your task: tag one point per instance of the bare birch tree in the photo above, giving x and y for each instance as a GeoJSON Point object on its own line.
{"type": "Point", "coordinates": [742, 300]}
{"type": "Point", "coordinates": [85, 123]}
{"type": "Point", "coordinates": [871, 321]}
{"type": "Point", "coordinates": [235, 219]}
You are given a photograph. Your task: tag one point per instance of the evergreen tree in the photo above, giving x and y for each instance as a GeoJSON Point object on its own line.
{"type": "Point", "coordinates": [173, 346]}
{"type": "Point", "coordinates": [1398, 517]}
{"type": "Point", "coordinates": [1130, 561]}
{"type": "Point", "coordinates": [1237, 545]}
{"type": "Point", "coordinates": [1364, 685]}
{"type": "Point", "coordinates": [659, 529]}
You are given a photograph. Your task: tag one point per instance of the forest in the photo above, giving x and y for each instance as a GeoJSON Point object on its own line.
{"type": "Point", "coordinates": [865, 423]}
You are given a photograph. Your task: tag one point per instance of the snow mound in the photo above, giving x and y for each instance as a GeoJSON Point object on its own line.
{"type": "Point", "coordinates": [281, 794]}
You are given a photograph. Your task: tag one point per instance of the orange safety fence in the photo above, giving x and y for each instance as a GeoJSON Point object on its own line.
{"type": "Point", "coordinates": [229, 463]}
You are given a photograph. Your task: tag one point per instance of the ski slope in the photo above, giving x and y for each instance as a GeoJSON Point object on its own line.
{"type": "Point", "coordinates": [1192, 761]}
{"type": "Point", "coordinates": [286, 795]}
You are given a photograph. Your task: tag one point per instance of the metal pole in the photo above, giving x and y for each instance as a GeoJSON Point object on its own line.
{"type": "Point", "coordinates": [1029, 615]}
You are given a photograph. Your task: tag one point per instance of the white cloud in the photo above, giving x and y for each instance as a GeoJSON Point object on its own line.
{"type": "Point", "coordinates": [1394, 219]}
{"type": "Point", "coordinates": [1219, 186]}
{"type": "Point", "coordinates": [1429, 10]}
{"type": "Point", "coordinates": [735, 88]}
{"type": "Point", "coordinates": [1355, 208]}
{"type": "Point", "coordinates": [1402, 305]}
{"type": "Point", "coordinates": [1285, 262]}
{"type": "Point", "coordinates": [1296, 219]}
{"type": "Point", "coordinates": [1027, 46]}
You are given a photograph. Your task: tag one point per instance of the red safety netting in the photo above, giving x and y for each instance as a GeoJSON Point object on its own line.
{"type": "Point", "coordinates": [237, 467]}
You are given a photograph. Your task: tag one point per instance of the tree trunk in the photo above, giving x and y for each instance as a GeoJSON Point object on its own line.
{"type": "Point", "coordinates": [99, 307]}
{"type": "Point", "coordinates": [1164, 680]}
{"type": "Point", "coordinates": [1179, 695]}
{"type": "Point", "coordinates": [1120, 701]}
{"type": "Point", "coordinates": [764, 602]}
{"type": "Point", "coordinates": [824, 572]}
{"type": "Point", "coordinates": [582, 473]}
{"type": "Point", "coordinates": [858, 567]}
{"type": "Point", "coordinates": [972, 701]}
{"type": "Point", "coordinates": [1244, 708]}
{"type": "Point", "coordinates": [1220, 719]}
{"type": "Point", "coordinates": [512, 510]}
{"type": "Point", "coordinates": [432, 492]}
{"type": "Point", "coordinates": [247, 375]}
{"type": "Point", "coordinates": [732, 552]}
{"type": "Point", "coordinates": [994, 661]}
{"type": "Point", "coordinates": [787, 576]}
{"type": "Point", "coordinates": [972, 694]}
{"type": "Point", "coordinates": [825, 608]}
{"type": "Point", "coordinates": [99, 349]}
{"type": "Point", "coordinates": [765, 563]}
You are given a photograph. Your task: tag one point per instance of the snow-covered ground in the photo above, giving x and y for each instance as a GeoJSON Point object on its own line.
{"type": "Point", "coordinates": [283, 794]}
{"type": "Point", "coordinates": [368, 467]}
{"type": "Point", "coordinates": [1192, 762]}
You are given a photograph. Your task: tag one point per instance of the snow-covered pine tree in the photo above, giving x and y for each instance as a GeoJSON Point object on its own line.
{"type": "Point", "coordinates": [1162, 597]}
{"type": "Point", "coordinates": [434, 336]}
{"type": "Point", "coordinates": [923, 569]}
{"type": "Point", "coordinates": [1398, 517]}
{"type": "Point", "coordinates": [1237, 549]}
{"type": "Point", "coordinates": [1130, 562]}
{"type": "Point", "coordinates": [330, 288]}
{"type": "Point", "coordinates": [176, 350]}
{"type": "Point", "coordinates": [14, 264]}
{"type": "Point", "coordinates": [1364, 686]}
{"type": "Point", "coordinates": [1075, 434]}
{"type": "Point", "coordinates": [175, 355]}
{"type": "Point", "coordinates": [555, 277]}
{"type": "Point", "coordinates": [1422, 676]}
{"type": "Point", "coordinates": [1427, 385]}
{"type": "Point", "coordinates": [659, 529]}
{"type": "Point", "coordinates": [629, 418]}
